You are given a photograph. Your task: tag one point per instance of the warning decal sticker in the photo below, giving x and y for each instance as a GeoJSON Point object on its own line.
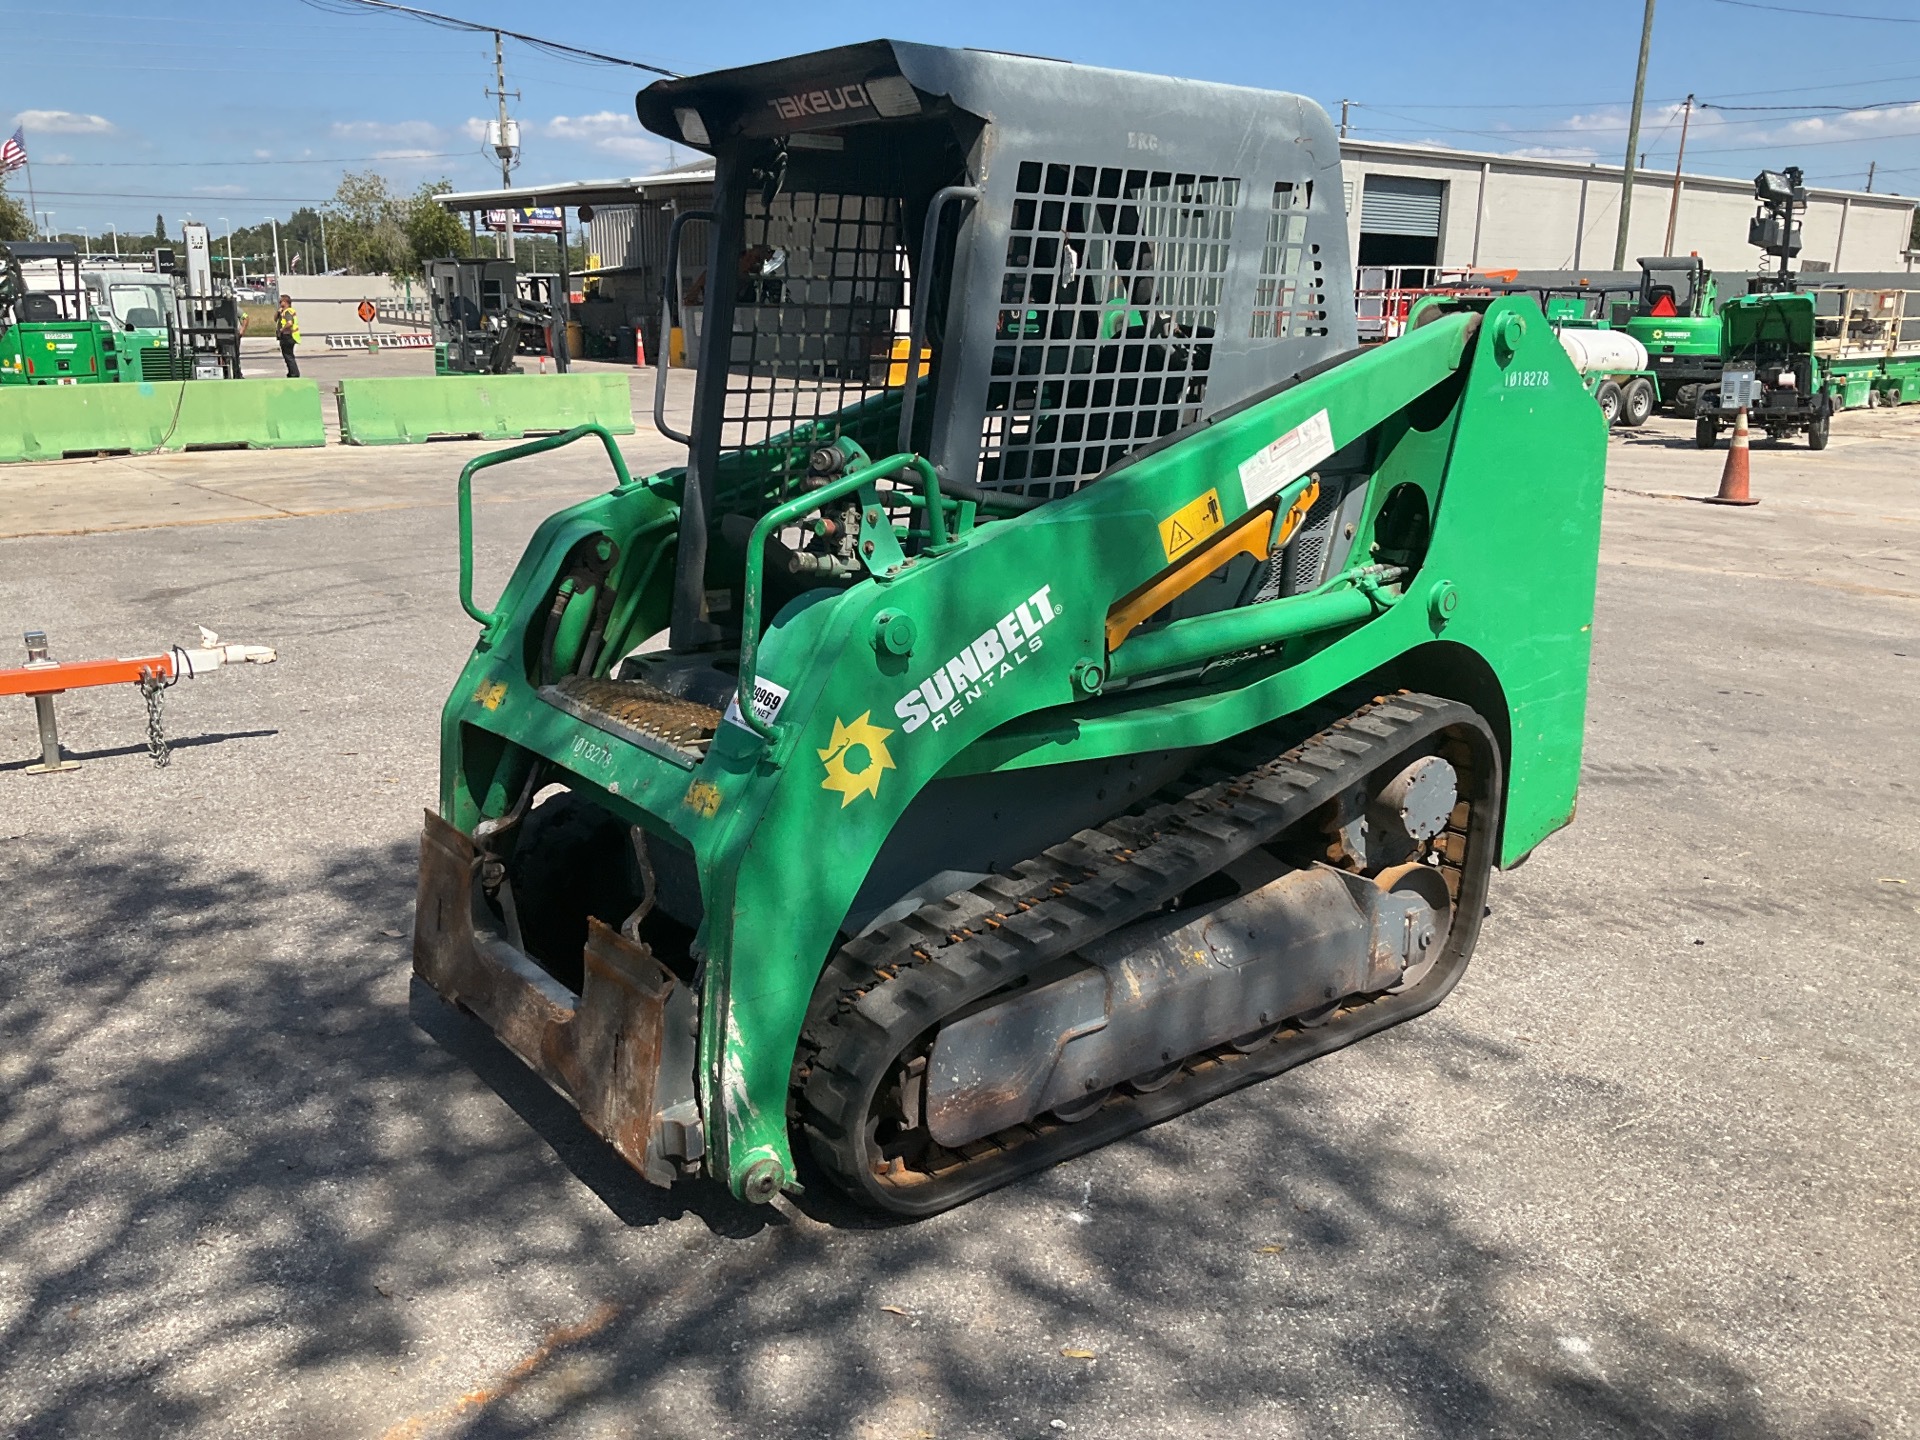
{"type": "Point", "coordinates": [1271, 469]}
{"type": "Point", "coordinates": [1190, 524]}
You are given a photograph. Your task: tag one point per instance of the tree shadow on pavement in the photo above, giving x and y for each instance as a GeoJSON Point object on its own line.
{"type": "Point", "coordinates": [250, 1183]}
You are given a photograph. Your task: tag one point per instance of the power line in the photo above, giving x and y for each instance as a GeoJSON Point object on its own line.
{"type": "Point", "coordinates": [389, 158]}
{"type": "Point", "coordinates": [1822, 14]}
{"type": "Point", "coordinates": [452, 22]}
{"type": "Point", "coordinates": [1808, 106]}
{"type": "Point", "coordinates": [200, 198]}
{"type": "Point", "coordinates": [1597, 129]}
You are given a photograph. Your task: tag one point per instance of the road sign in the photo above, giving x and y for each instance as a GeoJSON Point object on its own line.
{"type": "Point", "coordinates": [367, 311]}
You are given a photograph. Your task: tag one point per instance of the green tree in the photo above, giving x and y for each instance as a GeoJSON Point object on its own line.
{"type": "Point", "coordinates": [433, 230]}
{"type": "Point", "coordinates": [160, 229]}
{"type": "Point", "coordinates": [367, 230]}
{"type": "Point", "coordinates": [15, 223]}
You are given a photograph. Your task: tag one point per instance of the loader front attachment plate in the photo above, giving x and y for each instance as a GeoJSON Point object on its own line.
{"type": "Point", "coordinates": [621, 1050]}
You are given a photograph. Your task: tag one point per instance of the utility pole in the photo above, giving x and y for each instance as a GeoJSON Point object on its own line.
{"type": "Point", "coordinates": [1633, 140]}
{"type": "Point", "coordinates": [1343, 118]}
{"type": "Point", "coordinates": [323, 242]}
{"type": "Point", "coordinates": [1872, 165]}
{"type": "Point", "coordinates": [507, 134]}
{"type": "Point", "coordinates": [116, 242]}
{"type": "Point", "coordinates": [279, 265]}
{"type": "Point", "coordinates": [229, 224]}
{"type": "Point", "coordinates": [1673, 205]}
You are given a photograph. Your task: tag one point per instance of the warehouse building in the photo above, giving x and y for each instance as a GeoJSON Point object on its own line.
{"type": "Point", "coordinates": [1407, 206]}
{"type": "Point", "coordinates": [1424, 206]}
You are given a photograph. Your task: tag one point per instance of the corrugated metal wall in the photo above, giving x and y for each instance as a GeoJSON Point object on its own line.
{"type": "Point", "coordinates": [1401, 205]}
{"type": "Point", "coordinates": [631, 240]}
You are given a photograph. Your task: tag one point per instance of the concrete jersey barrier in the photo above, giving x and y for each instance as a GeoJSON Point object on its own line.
{"type": "Point", "coordinates": [404, 410]}
{"type": "Point", "coordinates": [46, 422]}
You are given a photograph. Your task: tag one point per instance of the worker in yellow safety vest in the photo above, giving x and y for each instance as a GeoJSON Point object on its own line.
{"type": "Point", "coordinates": [286, 329]}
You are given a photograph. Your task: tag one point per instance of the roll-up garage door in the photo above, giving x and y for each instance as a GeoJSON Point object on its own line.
{"type": "Point", "coordinates": [1401, 205]}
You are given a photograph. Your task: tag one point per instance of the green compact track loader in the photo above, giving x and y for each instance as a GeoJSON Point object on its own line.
{"type": "Point", "coordinates": [961, 763]}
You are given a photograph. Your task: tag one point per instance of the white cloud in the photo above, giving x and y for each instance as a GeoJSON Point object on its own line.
{"type": "Point", "coordinates": [1843, 125]}
{"type": "Point", "coordinates": [404, 154]}
{"type": "Point", "coordinates": [473, 129]}
{"type": "Point", "coordinates": [415, 133]}
{"type": "Point", "coordinates": [613, 131]}
{"type": "Point", "coordinates": [1555, 152]}
{"type": "Point", "coordinates": [219, 189]}
{"type": "Point", "coordinates": [263, 154]}
{"type": "Point", "coordinates": [63, 122]}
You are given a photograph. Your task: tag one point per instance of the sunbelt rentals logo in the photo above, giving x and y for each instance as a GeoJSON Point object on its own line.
{"type": "Point", "coordinates": [855, 758]}
{"type": "Point", "coordinates": [946, 693]}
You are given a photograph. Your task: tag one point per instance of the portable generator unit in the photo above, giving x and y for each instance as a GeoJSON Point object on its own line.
{"type": "Point", "coordinates": [964, 762]}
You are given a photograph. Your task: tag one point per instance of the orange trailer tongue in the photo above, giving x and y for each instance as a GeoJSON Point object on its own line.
{"type": "Point", "coordinates": [43, 677]}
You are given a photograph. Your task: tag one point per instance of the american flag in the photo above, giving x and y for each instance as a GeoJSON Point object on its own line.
{"type": "Point", "coordinates": [13, 151]}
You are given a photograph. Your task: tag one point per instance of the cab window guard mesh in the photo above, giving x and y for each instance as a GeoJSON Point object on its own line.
{"type": "Point", "coordinates": [1108, 305]}
{"type": "Point", "coordinates": [820, 298]}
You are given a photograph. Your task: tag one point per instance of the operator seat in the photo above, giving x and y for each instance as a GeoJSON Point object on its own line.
{"type": "Point", "coordinates": [39, 308]}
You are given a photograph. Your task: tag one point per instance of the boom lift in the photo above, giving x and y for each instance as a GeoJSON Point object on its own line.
{"type": "Point", "coordinates": [947, 772]}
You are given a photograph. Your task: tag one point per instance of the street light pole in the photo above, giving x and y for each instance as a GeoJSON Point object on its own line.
{"type": "Point", "coordinates": [229, 224]}
{"type": "Point", "coordinates": [279, 265]}
{"type": "Point", "coordinates": [113, 231]}
{"type": "Point", "coordinates": [323, 242]}
{"type": "Point", "coordinates": [47, 215]}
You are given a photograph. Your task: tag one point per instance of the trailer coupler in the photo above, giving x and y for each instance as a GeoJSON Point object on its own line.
{"type": "Point", "coordinates": [621, 1051]}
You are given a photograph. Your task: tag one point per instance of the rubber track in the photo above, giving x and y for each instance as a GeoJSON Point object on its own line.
{"type": "Point", "coordinates": [885, 990]}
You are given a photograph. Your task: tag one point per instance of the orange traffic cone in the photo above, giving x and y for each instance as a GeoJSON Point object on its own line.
{"type": "Point", "coordinates": [1734, 478]}
{"type": "Point", "coordinates": [639, 348]}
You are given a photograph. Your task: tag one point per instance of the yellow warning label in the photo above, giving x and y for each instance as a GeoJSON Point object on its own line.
{"type": "Point", "coordinates": [1190, 524]}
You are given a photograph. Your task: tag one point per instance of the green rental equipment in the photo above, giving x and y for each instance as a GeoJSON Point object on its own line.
{"type": "Point", "coordinates": [1771, 366]}
{"type": "Point", "coordinates": [141, 308]}
{"type": "Point", "coordinates": [963, 762]}
{"type": "Point", "coordinates": [1676, 316]}
{"type": "Point", "coordinates": [46, 336]}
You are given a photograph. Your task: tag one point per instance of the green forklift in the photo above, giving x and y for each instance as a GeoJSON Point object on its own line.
{"type": "Point", "coordinates": [47, 336]}
{"type": "Point", "coordinates": [927, 782]}
{"type": "Point", "coordinates": [1676, 316]}
{"type": "Point", "coordinates": [141, 306]}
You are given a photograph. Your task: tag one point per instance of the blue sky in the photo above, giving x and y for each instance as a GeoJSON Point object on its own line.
{"type": "Point", "coordinates": [248, 108]}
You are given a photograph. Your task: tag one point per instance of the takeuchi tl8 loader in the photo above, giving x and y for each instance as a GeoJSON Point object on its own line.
{"type": "Point", "coordinates": [959, 765]}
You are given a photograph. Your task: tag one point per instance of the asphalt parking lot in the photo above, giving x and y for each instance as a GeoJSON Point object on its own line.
{"type": "Point", "coordinates": [1650, 1171]}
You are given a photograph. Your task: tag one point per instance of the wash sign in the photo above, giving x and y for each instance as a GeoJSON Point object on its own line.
{"type": "Point", "coordinates": [541, 219]}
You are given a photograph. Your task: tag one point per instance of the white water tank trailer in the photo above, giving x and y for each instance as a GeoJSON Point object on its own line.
{"type": "Point", "coordinates": [1603, 352]}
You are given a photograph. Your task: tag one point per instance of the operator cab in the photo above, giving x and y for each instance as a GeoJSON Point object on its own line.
{"type": "Point", "coordinates": [1670, 286]}
{"type": "Point", "coordinates": [131, 299]}
{"type": "Point", "coordinates": [964, 255]}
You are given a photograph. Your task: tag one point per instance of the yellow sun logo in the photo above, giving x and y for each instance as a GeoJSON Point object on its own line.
{"type": "Point", "coordinates": [864, 741]}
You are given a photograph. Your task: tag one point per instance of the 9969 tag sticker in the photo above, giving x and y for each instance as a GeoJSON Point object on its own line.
{"type": "Point", "coordinates": [768, 697]}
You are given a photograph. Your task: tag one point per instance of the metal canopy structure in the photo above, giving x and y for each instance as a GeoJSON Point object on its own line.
{"type": "Point", "coordinates": [572, 194]}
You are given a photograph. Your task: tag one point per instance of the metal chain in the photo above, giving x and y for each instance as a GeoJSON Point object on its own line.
{"type": "Point", "coordinates": [152, 687]}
